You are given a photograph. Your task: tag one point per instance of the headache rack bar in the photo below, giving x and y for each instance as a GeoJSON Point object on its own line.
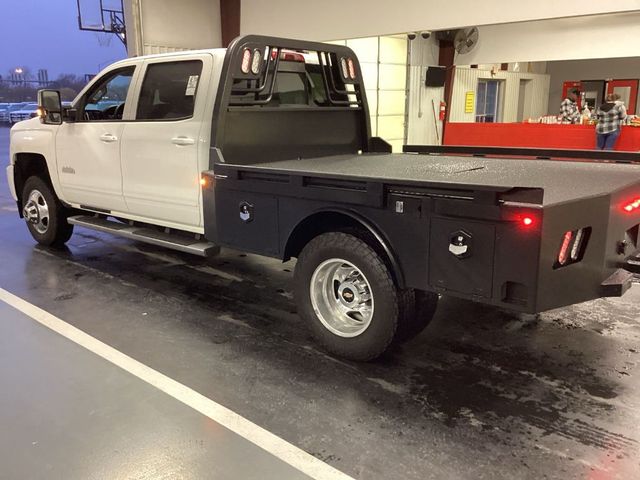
{"type": "Point", "coordinates": [263, 84]}
{"type": "Point", "coordinates": [537, 153]}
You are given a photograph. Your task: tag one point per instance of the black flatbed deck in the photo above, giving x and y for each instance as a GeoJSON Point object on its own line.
{"type": "Point", "coordinates": [562, 181]}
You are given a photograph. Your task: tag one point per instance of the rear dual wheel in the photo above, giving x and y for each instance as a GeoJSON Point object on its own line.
{"type": "Point", "coordinates": [349, 299]}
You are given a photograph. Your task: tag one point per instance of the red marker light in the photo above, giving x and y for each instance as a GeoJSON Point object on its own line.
{"type": "Point", "coordinates": [632, 206]}
{"type": "Point", "coordinates": [352, 68]}
{"type": "Point", "coordinates": [563, 256]}
{"type": "Point", "coordinates": [527, 221]}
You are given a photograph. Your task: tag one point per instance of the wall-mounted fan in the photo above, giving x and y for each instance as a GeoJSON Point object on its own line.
{"type": "Point", "coordinates": [466, 39]}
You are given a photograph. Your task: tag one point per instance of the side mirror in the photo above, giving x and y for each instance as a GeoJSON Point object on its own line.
{"type": "Point", "coordinates": [50, 107]}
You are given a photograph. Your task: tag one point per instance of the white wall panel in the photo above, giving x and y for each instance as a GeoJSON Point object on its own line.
{"type": "Point", "coordinates": [392, 77]}
{"type": "Point", "coordinates": [391, 127]}
{"type": "Point", "coordinates": [372, 100]}
{"type": "Point", "coordinates": [391, 102]}
{"type": "Point", "coordinates": [370, 75]}
{"type": "Point", "coordinates": [365, 48]}
{"type": "Point", "coordinates": [561, 39]}
{"type": "Point", "coordinates": [423, 125]}
{"type": "Point", "coordinates": [393, 50]}
{"type": "Point", "coordinates": [160, 26]}
{"type": "Point", "coordinates": [383, 61]}
{"type": "Point", "coordinates": [367, 18]}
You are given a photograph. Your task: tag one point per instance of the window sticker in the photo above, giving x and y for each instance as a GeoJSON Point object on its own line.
{"type": "Point", "coordinates": [191, 85]}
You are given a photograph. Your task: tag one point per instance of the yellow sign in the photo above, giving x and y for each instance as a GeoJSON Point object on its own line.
{"type": "Point", "coordinates": [469, 101]}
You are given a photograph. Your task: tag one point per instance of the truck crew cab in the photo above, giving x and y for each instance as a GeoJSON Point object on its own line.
{"type": "Point", "coordinates": [266, 147]}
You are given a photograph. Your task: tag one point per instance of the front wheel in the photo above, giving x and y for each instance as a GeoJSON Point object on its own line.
{"type": "Point", "coordinates": [46, 217]}
{"type": "Point", "coordinates": [347, 296]}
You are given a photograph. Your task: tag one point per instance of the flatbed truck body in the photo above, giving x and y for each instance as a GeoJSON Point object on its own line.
{"type": "Point", "coordinates": [293, 171]}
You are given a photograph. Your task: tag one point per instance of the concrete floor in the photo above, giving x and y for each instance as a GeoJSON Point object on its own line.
{"type": "Point", "coordinates": [480, 394]}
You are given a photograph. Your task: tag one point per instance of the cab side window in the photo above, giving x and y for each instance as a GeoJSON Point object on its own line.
{"type": "Point", "coordinates": [168, 90]}
{"type": "Point", "coordinates": [106, 99]}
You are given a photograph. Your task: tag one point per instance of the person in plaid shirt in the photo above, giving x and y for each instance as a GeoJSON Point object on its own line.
{"type": "Point", "coordinates": [569, 112]}
{"type": "Point", "coordinates": [610, 115]}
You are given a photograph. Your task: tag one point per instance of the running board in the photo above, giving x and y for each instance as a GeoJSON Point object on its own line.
{"type": "Point", "coordinates": [182, 243]}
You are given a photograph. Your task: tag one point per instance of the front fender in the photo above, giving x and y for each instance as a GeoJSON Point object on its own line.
{"type": "Point", "coordinates": [33, 137]}
{"type": "Point", "coordinates": [11, 182]}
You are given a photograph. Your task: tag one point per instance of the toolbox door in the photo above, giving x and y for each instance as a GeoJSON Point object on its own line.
{"type": "Point", "coordinates": [461, 256]}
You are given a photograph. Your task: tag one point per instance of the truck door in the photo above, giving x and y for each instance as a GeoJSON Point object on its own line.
{"type": "Point", "coordinates": [161, 148]}
{"type": "Point", "coordinates": [88, 150]}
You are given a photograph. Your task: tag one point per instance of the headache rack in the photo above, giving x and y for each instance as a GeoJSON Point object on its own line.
{"type": "Point", "coordinates": [251, 125]}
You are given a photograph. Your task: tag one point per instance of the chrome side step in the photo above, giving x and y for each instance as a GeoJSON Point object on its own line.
{"type": "Point", "coordinates": [175, 241]}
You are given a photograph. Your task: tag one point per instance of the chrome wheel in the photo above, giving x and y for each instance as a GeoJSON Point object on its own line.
{"type": "Point", "coordinates": [36, 212]}
{"type": "Point", "coordinates": [341, 297]}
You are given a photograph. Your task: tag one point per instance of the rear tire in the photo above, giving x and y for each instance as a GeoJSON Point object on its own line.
{"type": "Point", "coordinates": [419, 307]}
{"type": "Point", "coordinates": [46, 217]}
{"type": "Point", "coordinates": [347, 296]}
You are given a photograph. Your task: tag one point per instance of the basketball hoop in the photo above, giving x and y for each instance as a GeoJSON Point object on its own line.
{"type": "Point", "coordinates": [104, 39]}
{"type": "Point", "coordinates": [104, 18]}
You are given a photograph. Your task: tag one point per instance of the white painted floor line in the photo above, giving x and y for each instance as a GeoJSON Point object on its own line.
{"type": "Point", "coordinates": [255, 434]}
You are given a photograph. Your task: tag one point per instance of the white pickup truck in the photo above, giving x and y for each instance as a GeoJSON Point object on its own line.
{"type": "Point", "coordinates": [266, 147]}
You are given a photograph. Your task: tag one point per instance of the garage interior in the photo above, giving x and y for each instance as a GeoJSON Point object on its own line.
{"type": "Point", "coordinates": [120, 359]}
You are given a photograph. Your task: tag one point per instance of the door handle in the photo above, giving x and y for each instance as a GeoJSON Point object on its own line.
{"type": "Point", "coordinates": [182, 141]}
{"type": "Point", "coordinates": [108, 138]}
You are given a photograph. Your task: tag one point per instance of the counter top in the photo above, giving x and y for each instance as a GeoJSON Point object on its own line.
{"type": "Point", "coordinates": [535, 135]}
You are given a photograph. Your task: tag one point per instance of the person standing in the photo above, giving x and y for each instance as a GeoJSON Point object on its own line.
{"type": "Point", "coordinates": [611, 116]}
{"type": "Point", "coordinates": [619, 102]}
{"type": "Point", "coordinates": [569, 112]}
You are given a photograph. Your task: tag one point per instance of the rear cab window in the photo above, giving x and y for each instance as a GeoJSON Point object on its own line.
{"type": "Point", "coordinates": [168, 90]}
{"type": "Point", "coordinates": [298, 84]}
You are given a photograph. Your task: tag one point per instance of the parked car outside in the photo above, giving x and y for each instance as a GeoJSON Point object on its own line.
{"type": "Point", "coordinates": [6, 114]}
{"type": "Point", "coordinates": [25, 113]}
{"type": "Point", "coordinates": [3, 108]}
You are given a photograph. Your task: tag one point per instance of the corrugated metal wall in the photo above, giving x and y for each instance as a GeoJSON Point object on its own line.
{"type": "Point", "coordinates": [536, 93]}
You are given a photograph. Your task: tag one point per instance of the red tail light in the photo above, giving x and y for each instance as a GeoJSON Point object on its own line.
{"type": "Point", "coordinates": [563, 256]}
{"type": "Point", "coordinates": [352, 68]}
{"type": "Point", "coordinates": [291, 56]}
{"type": "Point", "coordinates": [573, 247]}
